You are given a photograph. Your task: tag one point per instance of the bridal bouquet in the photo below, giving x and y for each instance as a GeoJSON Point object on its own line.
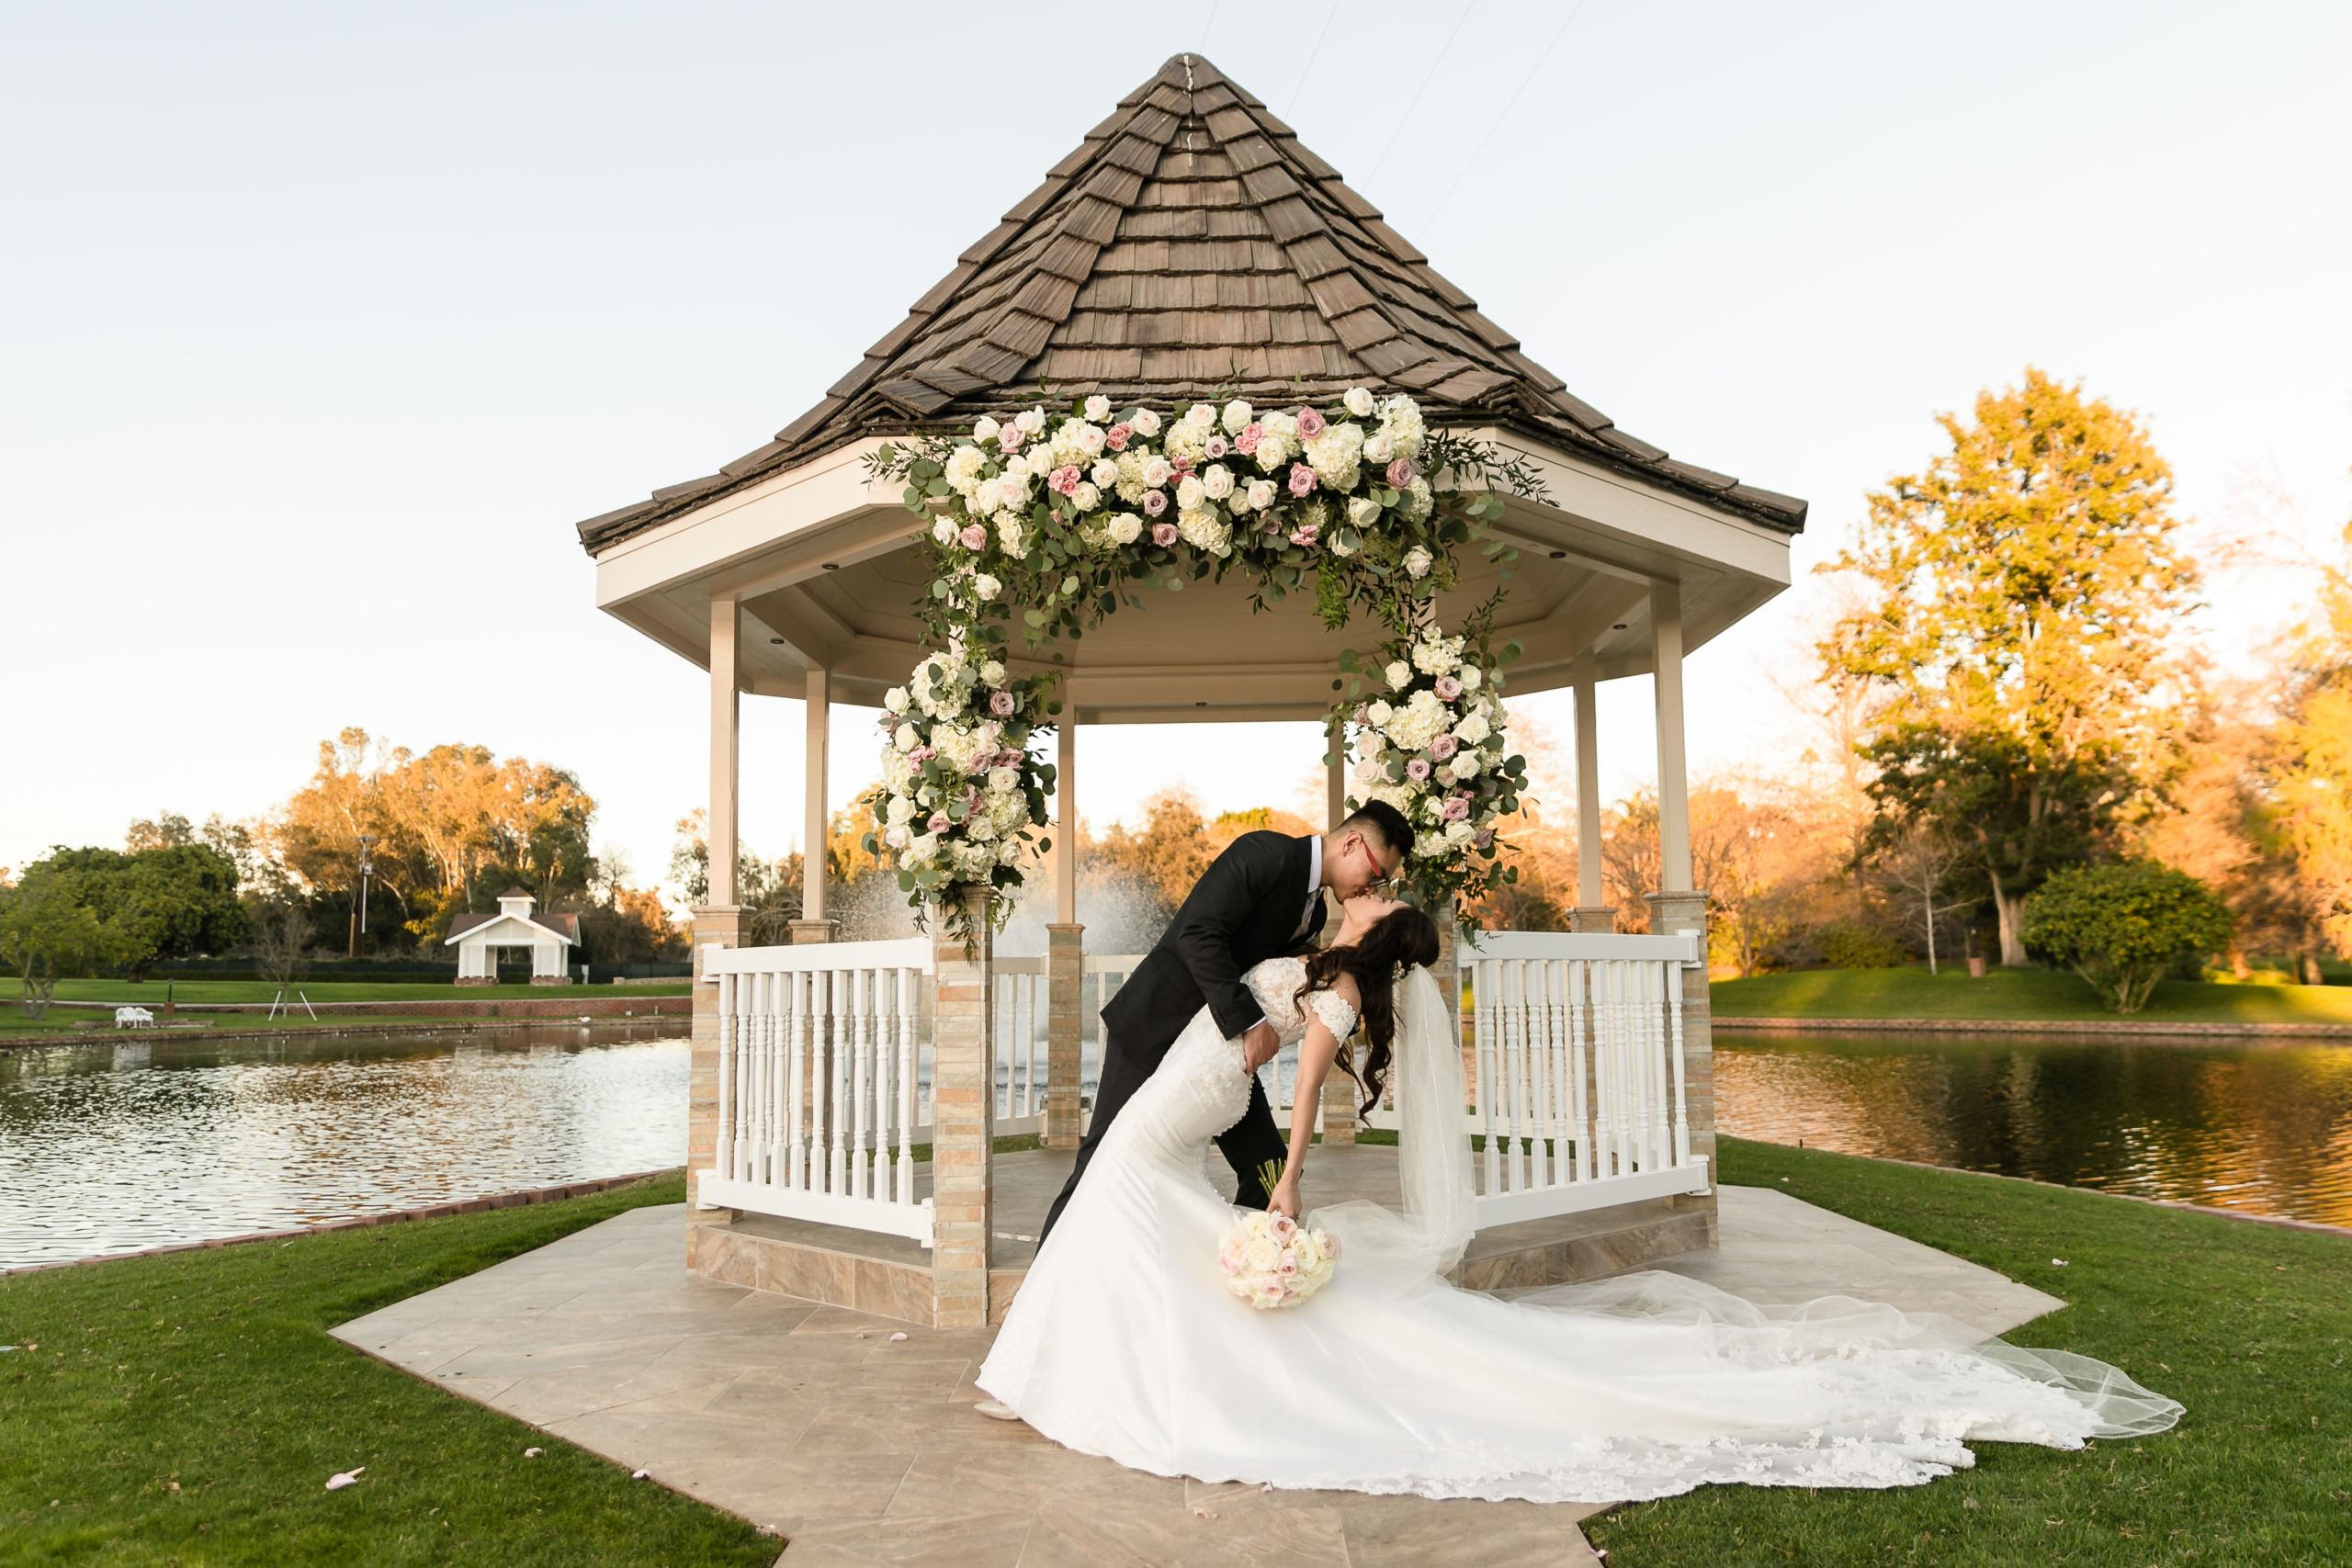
{"type": "Point", "coordinates": [1271, 1260]}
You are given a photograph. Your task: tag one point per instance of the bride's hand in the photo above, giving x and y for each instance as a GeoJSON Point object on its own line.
{"type": "Point", "coordinates": [1285, 1198]}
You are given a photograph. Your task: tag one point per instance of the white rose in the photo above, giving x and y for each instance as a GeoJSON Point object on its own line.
{"type": "Point", "coordinates": [1090, 440]}
{"type": "Point", "coordinates": [1416, 562]}
{"type": "Point", "coordinates": [1358, 402]}
{"type": "Point", "coordinates": [1339, 546]}
{"type": "Point", "coordinates": [902, 810]}
{"type": "Point", "coordinates": [1146, 423]}
{"type": "Point", "coordinates": [1125, 528]}
{"type": "Point", "coordinates": [1470, 677]}
{"type": "Point", "coordinates": [1379, 712]}
{"type": "Point", "coordinates": [1105, 474]}
{"type": "Point", "coordinates": [1472, 730]}
{"type": "Point", "coordinates": [1157, 471]}
{"type": "Point", "coordinates": [1008, 852]}
{"type": "Point", "coordinates": [1261, 494]}
{"type": "Point", "coordinates": [1002, 779]}
{"type": "Point", "coordinates": [986, 429]}
{"type": "Point", "coordinates": [992, 673]}
{"type": "Point", "coordinates": [987, 587]}
{"type": "Point", "coordinates": [1364, 511]}
{"type": "Point", "coordinates": [1086, 498]}
{"type": "Point", "coordinates": [1200, 416]}
{"type": "Point", "coordinates": [1237, 417]}
{"type": "Point", "coordinates": [1030, 421]}
{"type": "Point", "coordinates": [1459, 833]}
{"type": "Point", "coordinates": [1400, 675]}
{"type": "Point", "coordinates": [1466, 766]}
{"type": "Point", "coordinates": [898, 838]}
{"type": "Point", "coordinates": [1218, 481]}
{"type": "Point", "coordinates": [1190, 493]}
{"type": "Point", "coordinates": [895, 699]}
{"type": "Point", "coordinates": [943, 531]}
{"type": "Point", "coordinates": [1380, 446]}
{"type": "Point", "coordinates": [906, 740]}
{"type": "Point", "coordinates": [1098, 408]}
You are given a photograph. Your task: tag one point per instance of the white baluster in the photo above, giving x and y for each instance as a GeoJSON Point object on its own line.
{"type": "Point", "coordinates": [756, 1080]}
{"type": "Point", "coordinates": [1540, 1076]}
{"type": "Point", "coordinates": [1666, 1065]}
{"type": "Point", "coordinates": [1681, 1109]}
{"type": "Point", "coordinates": [779, 1113]}
{"type": "Point", "coordinates": [724, 1159]}
{"type": "Point", "coordinates": [1573, 981]}
{"type": "Point", "coordinates": [909, 1066]}
{"type": "Point", "coordinates": [1510, 1048]}
{"type": "Point", "coordinates": [1482, 1040]}
{"type": "Point", "coordinates": [861, 1021]}
{"type": "Point", "coordinates": [837, 1161]}
{"type": "Point", "coordinates": [795, 1094]}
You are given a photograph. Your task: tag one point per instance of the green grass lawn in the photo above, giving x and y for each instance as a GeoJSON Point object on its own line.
{"type": "Point", "coordinates": [2248, 1327]}
{"type": "Point", "coordinates": [1912, 992]}
{"type": "Point", "coordinates": [188, 1409]}
{"type": "Point", "coordinates": [150, 993]}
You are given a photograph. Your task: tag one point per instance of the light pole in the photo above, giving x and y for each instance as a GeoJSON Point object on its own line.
{"type": "Point", "coordinates": [359, 916]}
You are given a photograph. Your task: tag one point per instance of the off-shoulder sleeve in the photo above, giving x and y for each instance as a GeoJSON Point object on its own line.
{"type": "Point", "coordinates": [1333, 1010]}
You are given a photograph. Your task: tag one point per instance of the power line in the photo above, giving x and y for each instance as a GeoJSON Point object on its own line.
{"type": "Point", "coordinates": [1208, 24]}
{"type": "Point", "coordinates": [1311, 53]}
{"type": "Point", "coordinates": [1439, 210]}
{"type": "Point", "coordinates": [1426, 78]}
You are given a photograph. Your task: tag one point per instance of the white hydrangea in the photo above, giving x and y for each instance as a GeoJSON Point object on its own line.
{"type": "Point", "coordinates": [1418, 722]}
{"type": "Point", "coordinates": [1419, 499]}
{"type": "Point", "coordinates": [1399, 675]}
{"type": "Point", "coordinates": [1400, 417]}
{"type": "Point", "coordinates": [1438, 655]}
{"type": "Point", "coordinates": [1009, 811]}
{"type": "Point", "coordinates": [1358, 402]}
{"type": "Point", "coordinates": [1188, 441]}
{"type": "Point", "coordinates": [963, 465]}
{"type": "Point", "coordinates": [1010, 537]}
{"type": "Point", "coordinates": [1237, 415]}
{"type": "Point", "coordinates": [1205, 530]}
{"type": "Point", "coordinates": [1336, 456]}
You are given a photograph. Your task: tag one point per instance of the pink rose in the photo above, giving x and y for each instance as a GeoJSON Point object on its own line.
{"type": "Point", "coordinates": [1444, 746]}
{"type": "Point", "coordinates": [1009, 758]}
{"type": "Point", "coordinates": [1064, 480]}
{"type": "Point", "coordinates": [1008, 439]}
{"type": "Point", "coordinates": [973, 535]}
{"type": "Point", "coordinates": [1217, 448]}
{"type": "Point", "coordinates": [1457, 810]}
{"type": "Point", "coordinates": [921, 754]}
{"type": "Point", "coordinates": [1282, 1227]}
{"type": "Point", "coordinates": [1303, 536]}
{"type": "Point", "coordinates": [1310, 425]}
{"type": "Point", "coordinates": [939, 822]}
{"type": "Point", "coordinates": [1330, 1243]}
{"type": "Point", "coordinates": [1485, 839]}
{"type": "Point", "coordinates": [1400, 473]}
{"type": "Point", "coordinates": [1155, 501]}
{"type": "Point", "coordinates": [1287, 1267]}
{"type": "Point", "coordinates": [1247, 442]}
{"type": "Point", "coordinates": [1116, 438]}
{"type": "Point", "coordinates": [1448, 688]}
{"type": "Point", "coordinates": [1163, 534]}
{"type": "Point", "coordinates": [1417, 769]}
{"type": "Point", "coordinates": [1001, 703]}
{"type": "Point", "coordinates": [1302, 479]}
{"type": "Point", "coordinates": [1360, 716]}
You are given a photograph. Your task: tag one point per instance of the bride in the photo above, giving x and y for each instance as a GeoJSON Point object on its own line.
{"type": "Point", "coordinates": [1123, 1341]}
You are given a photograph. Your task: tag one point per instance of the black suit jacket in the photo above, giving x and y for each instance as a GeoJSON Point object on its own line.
{"type": "Point", "coordinates": [1244, 910]}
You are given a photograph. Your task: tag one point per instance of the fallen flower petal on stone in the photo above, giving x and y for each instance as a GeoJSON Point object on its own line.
{"type": "Point", "coordinates": [896, 1338]}
{"type": "Point", "coordinates": [1200, 1512]}
{"type": "Point", "coordinates": [639, 1474]}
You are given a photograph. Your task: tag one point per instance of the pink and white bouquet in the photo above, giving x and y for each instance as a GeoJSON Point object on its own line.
{"type": "Point", "coordinates": [1272, 1260]}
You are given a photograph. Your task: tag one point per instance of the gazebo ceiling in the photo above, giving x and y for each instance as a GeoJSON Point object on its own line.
{"type": "Point", "coordinates": [1189, 243]}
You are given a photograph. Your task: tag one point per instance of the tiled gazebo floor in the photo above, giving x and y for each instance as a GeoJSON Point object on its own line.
{"type": "Point", "coordinates": [808, 1419]}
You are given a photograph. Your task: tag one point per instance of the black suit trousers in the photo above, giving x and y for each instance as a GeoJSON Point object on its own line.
{"type": "Point", "coordinates": [1246, 1145]}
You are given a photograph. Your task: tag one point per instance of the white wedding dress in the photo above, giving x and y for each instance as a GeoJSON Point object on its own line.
{"type": "Point", "coordinates": [1124, 1342]}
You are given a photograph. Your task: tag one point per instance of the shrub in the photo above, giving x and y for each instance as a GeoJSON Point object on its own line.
{"type": "Point", "coordinates": [1850, 944]}
{"type": "Point", "coordinates": [2121, 926]}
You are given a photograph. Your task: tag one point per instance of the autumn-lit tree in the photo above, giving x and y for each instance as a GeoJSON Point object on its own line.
{"type": "Point", "coordinates": [2312, 766]}
{"type": "Point", "coordinates": [2025, 588]}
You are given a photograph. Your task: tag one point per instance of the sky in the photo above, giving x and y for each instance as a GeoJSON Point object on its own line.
{"type": "Point", "coordinates": [321, 326]}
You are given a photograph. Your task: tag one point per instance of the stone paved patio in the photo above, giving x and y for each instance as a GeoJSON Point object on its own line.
{"type": "Point", "coordinates": [808, 1419]}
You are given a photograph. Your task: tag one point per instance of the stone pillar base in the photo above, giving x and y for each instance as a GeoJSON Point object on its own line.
{"type": "Point", "coordinates": [1064, 1026]}
{"type": "Point", "coordinates": [1670, 913]}
{"type": "Point", "coordinates": [1598, 918]}
{"type": "Point", "coordinates": [963, 1117]}
{"type": "Point", "coordinates": [476, 979]}
{"type": "Point", "coordinates": [550, 979]}
{"type": "Point", "coordinates": [807, 932]}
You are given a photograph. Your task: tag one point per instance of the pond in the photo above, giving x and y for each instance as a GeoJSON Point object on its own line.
{"type": "Point", "coordinates": [112, 1147]}
{"type": "Point", "coordinates": [2262, 1126]}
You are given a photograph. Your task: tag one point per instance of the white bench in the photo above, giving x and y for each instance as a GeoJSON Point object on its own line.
{"type": "Point", "coordinates": [133, 1017]}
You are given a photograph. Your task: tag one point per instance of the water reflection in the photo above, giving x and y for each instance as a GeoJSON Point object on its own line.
{"type": "Point", "coordinates": [2265, 1127]}
{"type": "Point", "coordinates": [109, 1148]}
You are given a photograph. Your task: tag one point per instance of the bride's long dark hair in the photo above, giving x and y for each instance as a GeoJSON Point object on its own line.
{"type": "Point", "coordinates": [1398, 941]}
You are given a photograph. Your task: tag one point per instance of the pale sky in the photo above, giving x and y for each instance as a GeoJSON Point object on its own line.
{"type": "Point", "coordinates": [323, 324]}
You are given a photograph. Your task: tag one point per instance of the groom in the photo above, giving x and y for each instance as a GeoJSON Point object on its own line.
{"type": "Point", "coordinates": [1261, 898]}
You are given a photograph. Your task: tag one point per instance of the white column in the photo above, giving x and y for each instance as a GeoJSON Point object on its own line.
{"type": "Point", "coordinates": [1673, 781]}
{"type": "Point", "coordinates": [1588, 881]}
{"type": "Point", "coordinates": [726, 623]}
{"type": "Point", "coordinates": [1066, 817]}
{"type": "Point", "coordinates": [812, 853]}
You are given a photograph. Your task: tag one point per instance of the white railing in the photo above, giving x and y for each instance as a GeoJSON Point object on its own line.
{"type": "Point", "coordinates": [1576, 1073]}
{"type": "Point", "coordinates": [824, 1083]}
{"type": "Point", "coordinates": [1018, 989]}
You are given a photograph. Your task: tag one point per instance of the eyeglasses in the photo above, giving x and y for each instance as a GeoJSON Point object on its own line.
{"type": "Point", "coordinates": [1384, 877]}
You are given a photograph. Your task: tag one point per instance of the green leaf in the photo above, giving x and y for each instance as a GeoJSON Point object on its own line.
{"type": "Point", "coordinates": [939, 588]}
{"type": "Point", "coordinates": [938, 487]}
{"type": "Point", "coordinates": [1035, 617]}
{"type": "Point", "coordinates": [1069, 586]}
{"type": "Point", "coordinates": [914, 498]}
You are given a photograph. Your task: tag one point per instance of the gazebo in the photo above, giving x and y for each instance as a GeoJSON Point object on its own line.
{"type": "Point", "coordinates": [1189, 247]}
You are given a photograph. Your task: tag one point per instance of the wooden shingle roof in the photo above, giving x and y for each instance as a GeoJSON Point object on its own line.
{"type": "Point", "coordinates": [1191, 244]}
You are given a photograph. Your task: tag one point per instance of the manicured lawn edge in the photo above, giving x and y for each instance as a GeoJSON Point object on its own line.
{"type": "Point", "coordinates": [1910, 997]}
{"type": "Point", "coordinates": [2249, 1325]}
{"type": "Point", "coordinates": [189, 1408]}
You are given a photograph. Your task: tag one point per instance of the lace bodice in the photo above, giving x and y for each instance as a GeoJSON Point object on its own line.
{"type": "Point", "coordinates": [1275, 984]}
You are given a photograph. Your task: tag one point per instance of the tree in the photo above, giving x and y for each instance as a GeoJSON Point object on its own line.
{"type": "Point", "coordinates": [46, 931]}
{"type": "Point", "coordinates": [2312, 768]}
{"type": "Point", "coordinates": [1170, 850]}
{"type": "Point", "coordinates": [1919, 867]}
{"type": "Point", "coordinates": [281, 937]}
{"type": "Point", "coordinates": [2121, 926]}
{"type": "Point", "coordinates": [2026, 586]}
{"type": "Point", "coordinates": [172, 902]}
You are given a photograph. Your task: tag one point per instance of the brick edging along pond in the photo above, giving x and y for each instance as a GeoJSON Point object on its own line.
{"type": "Point", "coordinates": [364, 1221]}
{"type": "Point", "coordinates": [2090, 1026]}
{"type": "Point", "coordinates": [557, 1006]}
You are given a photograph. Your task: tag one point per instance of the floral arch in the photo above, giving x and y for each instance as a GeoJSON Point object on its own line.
{"type": "Point", "coordinates": [1064, 515]}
